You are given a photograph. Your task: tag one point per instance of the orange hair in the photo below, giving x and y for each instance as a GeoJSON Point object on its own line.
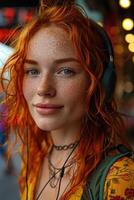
{"type": "Point", "coordinates": [102, 127]}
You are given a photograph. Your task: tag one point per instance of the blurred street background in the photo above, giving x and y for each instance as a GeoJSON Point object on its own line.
{"type": "Point", "coordinates": [9, 189]}
{"type": "Point", "coordinates": [117, 18]}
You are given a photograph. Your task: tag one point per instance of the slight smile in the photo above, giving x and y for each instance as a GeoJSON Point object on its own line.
{"type": "Point", "coordinates": [45, 109]}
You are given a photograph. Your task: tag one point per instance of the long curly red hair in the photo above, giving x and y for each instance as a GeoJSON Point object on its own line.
{"type": "Point", "coordinates": [102, 127]}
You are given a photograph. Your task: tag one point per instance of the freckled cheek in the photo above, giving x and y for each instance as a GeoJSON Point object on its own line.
{"type": "Point", "coordinates": [74, 93]}
{"type": "Point", "coordinates": [28, 90]}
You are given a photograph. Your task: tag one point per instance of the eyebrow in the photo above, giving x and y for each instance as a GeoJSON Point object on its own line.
{"type": "Point", "coordinates": [30, 61]}
{"type": "Point", "coordinates": [57, 61]}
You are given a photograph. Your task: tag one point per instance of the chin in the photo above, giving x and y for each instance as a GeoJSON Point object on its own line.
{"type": "Point", "coordinates": [48, 126]}
{"type": "Point", "coordinates": [43, 126]}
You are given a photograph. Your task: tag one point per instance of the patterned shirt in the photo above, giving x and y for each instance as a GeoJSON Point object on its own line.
{"type": "Point", "coordinates": [119, 183]}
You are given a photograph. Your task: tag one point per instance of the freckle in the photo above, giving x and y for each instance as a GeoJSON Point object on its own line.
{"type": "Point", "coordinates": [62, 41]}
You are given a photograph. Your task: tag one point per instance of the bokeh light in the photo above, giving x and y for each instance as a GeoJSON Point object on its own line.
{"type": "Point", "coordinates": [131, 47]}
{"type": "Point", "coordinates": [128, 24]}
{"type": "Point", "coordinates": [125, 3]}
{"type": "Point", "coordinates": [128, 87]}
{"type": "Point", "coordinates": [129, 38]}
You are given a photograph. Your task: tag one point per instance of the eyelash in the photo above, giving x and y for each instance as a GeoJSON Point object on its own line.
{"type": "Point", "coordinates": [63, 72]}
{"type": "Point", "coordinates": [30, 71]}
{"type": "Point", "coordinates": [66, 69]}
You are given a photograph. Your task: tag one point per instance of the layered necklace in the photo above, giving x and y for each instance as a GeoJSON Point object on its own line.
{"type": "Point", "coordinates": [54, 172]}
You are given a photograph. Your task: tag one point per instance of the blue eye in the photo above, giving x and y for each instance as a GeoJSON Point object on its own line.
{"type": "Point", "coordinates": [32, 72]}
{"type": "Point", "coordinates": [66, 72]}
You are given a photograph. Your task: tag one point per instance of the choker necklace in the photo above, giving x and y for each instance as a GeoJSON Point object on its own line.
{"type": "Point", "coordinates": [65, 147]}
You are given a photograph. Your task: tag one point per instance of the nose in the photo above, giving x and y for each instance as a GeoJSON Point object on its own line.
{"type": "Point", "coordinates": [46, 86]}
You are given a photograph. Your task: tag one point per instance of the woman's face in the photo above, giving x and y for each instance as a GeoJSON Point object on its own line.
{"type": "Point", "coordinates": [55, 85]}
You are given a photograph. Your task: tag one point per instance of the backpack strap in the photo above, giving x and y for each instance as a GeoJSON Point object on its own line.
{"type": "Point", "coordinates": [94, 189]}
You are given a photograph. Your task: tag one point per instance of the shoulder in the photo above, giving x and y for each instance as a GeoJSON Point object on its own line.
{"type": "Point", "coordinates": [120, 180]}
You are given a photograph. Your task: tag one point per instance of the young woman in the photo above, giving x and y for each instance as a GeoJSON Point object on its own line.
{"type": "Point", "coordinates": [60, 109]}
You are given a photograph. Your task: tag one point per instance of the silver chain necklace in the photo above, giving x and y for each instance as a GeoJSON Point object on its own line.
{"type": "Point", "coordinates": [55, 171]}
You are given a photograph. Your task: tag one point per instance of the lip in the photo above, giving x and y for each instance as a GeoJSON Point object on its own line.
{"type": "Point", "coordinates": [49, 106]}
{"type": "Point", "coordinates": [45, 109]}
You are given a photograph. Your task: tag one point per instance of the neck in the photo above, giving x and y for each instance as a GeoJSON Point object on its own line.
{"type": "Point", "coordinates": [59, 157]}
{"type": "Point", "coordinates": [66, 136]}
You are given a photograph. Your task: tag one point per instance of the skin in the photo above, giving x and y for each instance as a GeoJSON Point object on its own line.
{"type": "Point", "coordinates": [54, 75]}
{"type": "Point", "coordinates": [48, 79]}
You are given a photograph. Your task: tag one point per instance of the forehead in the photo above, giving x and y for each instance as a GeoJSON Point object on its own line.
{"type": "Point", "coordinates": [51, 41]}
